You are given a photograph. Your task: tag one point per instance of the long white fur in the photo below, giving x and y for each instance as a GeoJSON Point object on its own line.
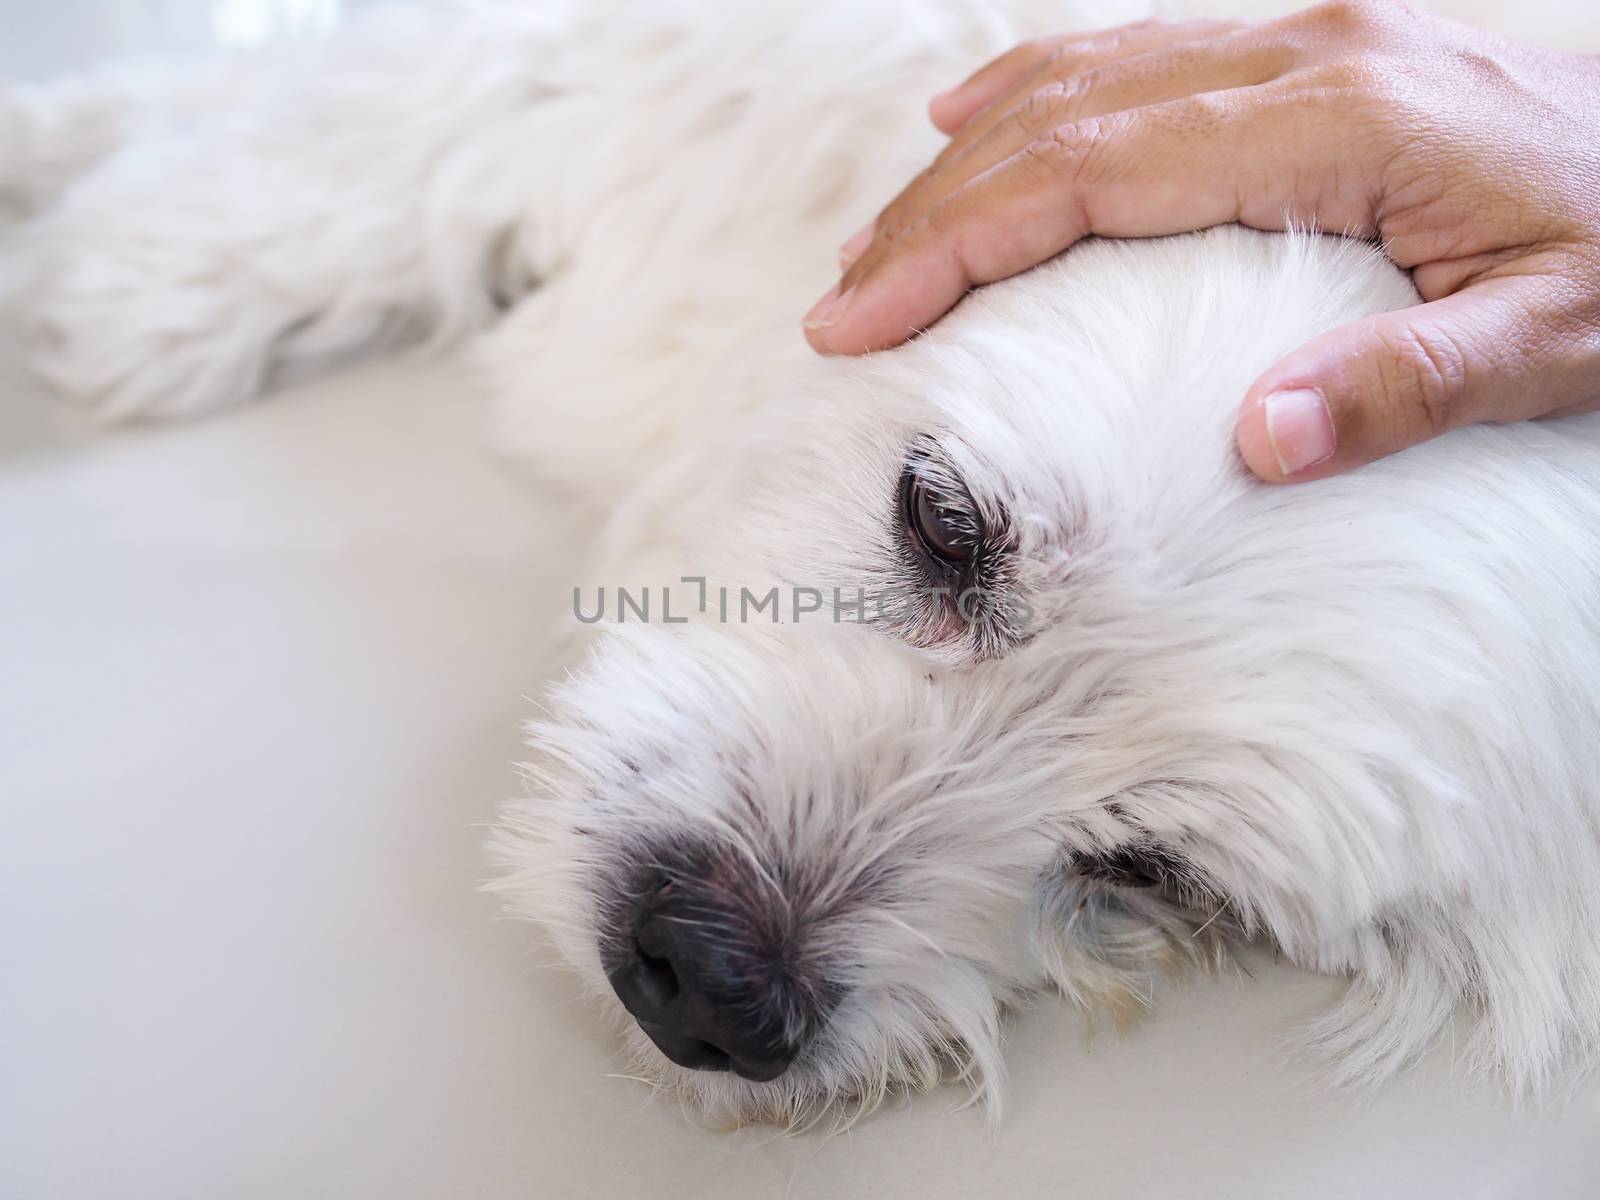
{"type": "Point", "coordinates": [1364, 708]}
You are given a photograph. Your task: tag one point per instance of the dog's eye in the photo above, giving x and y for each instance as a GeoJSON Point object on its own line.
{"type": "Point", "coordinates": [957, 562]}
{"type": "Point", "coordinates": [946, 526]}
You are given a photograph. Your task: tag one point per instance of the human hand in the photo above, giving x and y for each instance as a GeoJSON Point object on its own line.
{"type": "Point", "coordinates": [1474, 160]}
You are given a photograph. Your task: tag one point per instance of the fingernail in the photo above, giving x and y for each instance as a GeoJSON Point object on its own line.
{"type": "Point", "coordinates": [1299, 428]}
{"type": "Point", "coordinates": [858, 242]}
{"type": "Point", "coordinates": [827, 311]}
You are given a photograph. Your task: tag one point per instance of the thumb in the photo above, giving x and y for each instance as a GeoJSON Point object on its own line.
{"type": "Point", "coordinates": [1379, 385]}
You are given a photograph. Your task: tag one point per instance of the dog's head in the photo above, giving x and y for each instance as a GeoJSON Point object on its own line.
{"type": "Point", "coordinates": [999, 677]}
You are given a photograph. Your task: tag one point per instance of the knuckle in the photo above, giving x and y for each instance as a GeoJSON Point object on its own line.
{"type": "Point", "coordinates": [1112, 43]}
{"type": "Point", "coordinates": [1350, 76]}
{"type": "Point", "coordinates": [1421, 377]}
{"type": "Point", "coordinates": [1068, 150]}
{"type": "Point", "coordinates": [1354, 14]}
{"type": "Point", "coordinates": [1060, 57]}
{"type": "Point", "coordinates": [1205, 114]}
{"type": "Point", "coordinates": [1038, 111]}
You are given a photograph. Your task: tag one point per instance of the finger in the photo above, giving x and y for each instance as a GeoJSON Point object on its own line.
{"type": "Point", "coordinates": [970, 110]}
{"type": "Point", "coordinates": [1493, 352]}
{"type": "Point", "coordinates": [1067, 61]}
{"type": "Point", "coordinates": [995, 81]}
{"type": "Point", "coordinates": [1136, 82]}
{"type": "Point", "coordinates": [1067, 88]}
{"type": "Point", "coordinates": [952, 109]}
{"type": "Point", "coordinates": [856, 245]}
{"type": "Point", "coordinates": [1186, 164]}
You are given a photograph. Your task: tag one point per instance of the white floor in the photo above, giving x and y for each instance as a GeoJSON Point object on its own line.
{"type": "Point", "coordinates": [260, 681]}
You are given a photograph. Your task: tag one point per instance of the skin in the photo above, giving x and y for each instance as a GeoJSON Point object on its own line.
{"type": "Point", "coordinates": [1474, 161]}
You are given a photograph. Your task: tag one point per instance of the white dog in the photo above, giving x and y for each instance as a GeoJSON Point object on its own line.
{"type": "Point", "coordinates": [824, 837]}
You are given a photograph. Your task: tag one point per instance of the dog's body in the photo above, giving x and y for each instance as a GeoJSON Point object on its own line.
{"type": "Point", "coordinates": [1355, 717]}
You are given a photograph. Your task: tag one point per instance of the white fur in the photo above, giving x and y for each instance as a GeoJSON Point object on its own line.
{"type": "Point", "coordinates": [1364, 709]}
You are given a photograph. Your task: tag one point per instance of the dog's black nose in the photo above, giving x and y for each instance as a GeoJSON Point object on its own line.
{"type": "Point", "coordinates": [693, 990]}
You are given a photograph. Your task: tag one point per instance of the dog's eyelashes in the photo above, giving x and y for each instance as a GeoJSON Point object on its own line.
{"type": "Point", "coordinates": [1138, 865]}
{"type": "Point", "coordinates": [957, 558]}
{"type": "Point", "coordinates": [940, 519]}
{"type": "Point", "coordinates": [945, 526]}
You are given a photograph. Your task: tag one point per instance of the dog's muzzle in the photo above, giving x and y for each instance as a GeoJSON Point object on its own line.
{"type": "Point", "coordinates": [709, 998]}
